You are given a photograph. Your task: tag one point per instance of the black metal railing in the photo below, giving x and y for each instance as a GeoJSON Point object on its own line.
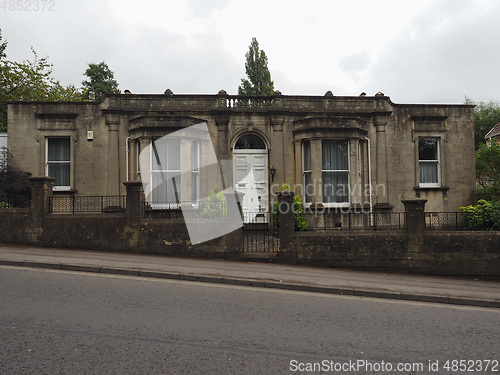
{"type": "Point", "coordinates": [357, 221]}
{"type": "Point", "coordinates": [260, 242]}
{"type": "Point", "coordinates": [460, 221]}
{"type": "Point", "coordinates": [15, 200]}
{"type": "Point", "coordinates": [260, 234]}
{"type": "Point", "coordinates": [167, 210]}
{"type": "Point", "coordinates": [257, 220]}
{"type": "Point", "coordinates": [88, 204]}
{"type": "Point", "coordinates": [445, 220]}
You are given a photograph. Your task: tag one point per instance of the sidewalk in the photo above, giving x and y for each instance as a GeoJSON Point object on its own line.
{"type": "Point", "coordinates": [440, 289]}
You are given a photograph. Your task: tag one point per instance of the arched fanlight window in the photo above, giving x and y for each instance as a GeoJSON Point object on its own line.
{"type": "Point", "coordinates": [250, 141]}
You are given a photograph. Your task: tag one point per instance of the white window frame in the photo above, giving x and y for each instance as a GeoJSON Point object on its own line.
{"type": "Point", "coordinates": [195, 171]}
{"type": "Point", "coordinates": [163, 205]}
{"type": "Point", "coordinates": [435, 161]}
{"type": "Point", "coordinates": [47, 162]}
{"type": "Point", "coordinates": [337, 204]}
{"type": "Point", "coordinates": [304, 171]}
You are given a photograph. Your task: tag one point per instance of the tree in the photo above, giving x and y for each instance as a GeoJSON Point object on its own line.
{"type": "Point", "coordinates": [486, 115]}
{"type": "Point", "coordinates": [15, 188]}
{"type": "Point", "coordinates": [259, 78]}
{"type": "Point", "coordinates": [488, 170]}
{"type": "Point", "coordinates": [101, 81]}
{"type": "Point", "coordinates": [3, 46]}
{"type": "Point", "coordinates": [30, 80]}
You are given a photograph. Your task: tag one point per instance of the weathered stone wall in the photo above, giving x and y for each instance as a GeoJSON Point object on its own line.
{"type": "Point", "coordinates": [15, 225]}
{"type": "Point", "coordinates": [106, 232]}
{"type": "Point", "coordinates": [99, 167]}
{"type": "Point", "coordinates": [453, 126]}
{"type": "Point", "coordinates": [125, 232]}
{"type": "Point", "coordinates": [439, 253]}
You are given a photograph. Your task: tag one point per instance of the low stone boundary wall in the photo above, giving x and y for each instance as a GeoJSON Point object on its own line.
{"type": "Point", "coordinates": [440, 253]}
{"type": "Point", "coordinates": [107, 232]}
{"type": "Point", "coordinates": [124, 232]}
{"type": "Point", "coordinates": [412, 249]}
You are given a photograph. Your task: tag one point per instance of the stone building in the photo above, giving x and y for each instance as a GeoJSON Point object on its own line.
{"type": "Point", "coordinates": [493, 135]}
{"type": "Point", "coordinates": [337, 152]}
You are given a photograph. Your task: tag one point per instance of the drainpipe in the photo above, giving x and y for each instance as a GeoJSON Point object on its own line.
{"type": "Point", "coordinates": [370, 179]}
{"type": "Point", "coordinates": [126, 154]}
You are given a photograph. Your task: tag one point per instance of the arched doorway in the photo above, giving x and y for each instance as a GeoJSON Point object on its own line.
{"type": "Point", "coordinates": [251, 175]}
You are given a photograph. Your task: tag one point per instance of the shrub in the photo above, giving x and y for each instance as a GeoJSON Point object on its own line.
{"type": "Point", "coordinates": [216, 206]}
{"type": "Point", "coordinates": [484, 215]}
{"type": "Point", "coordinates": [299, 220]}
{"type": "Point", "coordinates": [5, 205]}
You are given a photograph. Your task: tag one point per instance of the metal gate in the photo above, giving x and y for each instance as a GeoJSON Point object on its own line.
{"type": "Point", "coordinates": [259, 234]}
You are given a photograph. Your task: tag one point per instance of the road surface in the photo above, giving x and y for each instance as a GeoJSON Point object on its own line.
{"type": "Point", "coordinates": [56, 322]}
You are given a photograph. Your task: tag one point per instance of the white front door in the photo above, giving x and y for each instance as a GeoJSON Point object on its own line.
{"type": "Point", "coordinates": [250, 176]}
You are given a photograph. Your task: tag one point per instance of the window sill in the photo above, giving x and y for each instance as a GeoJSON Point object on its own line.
{"type": "Point", "coordinates": [64, 192]}
{"type": "Point", "coordinates": [420, 189]}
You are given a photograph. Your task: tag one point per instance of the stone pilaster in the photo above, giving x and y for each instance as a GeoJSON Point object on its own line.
{"type": "Point", "coordinates": [277, 150]}
{"type": "Point", "coordinates": [41, 192]}
{"type": "Point", "coordinates": [316, 174]}
{"type": "Point", "coordinates": [223, 146]}
{"type": "Point", "coordinates": [415, 215]}
{"type": "Point", "coordinates": [134, 201]}
{"type": "Point", "coordinates": [113, 168]}
{"type": "Point", "coordinates": [287, 227]}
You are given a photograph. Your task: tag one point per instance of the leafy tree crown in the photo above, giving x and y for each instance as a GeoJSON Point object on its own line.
{"type": "Point", "coordinates": [259, 78]}
{"type": "Point", "coordinates": [486, 115]}
{"type": "Point", "coordinates": [101, 81]}
{"type": "Point", "coordinates": [29, 80]}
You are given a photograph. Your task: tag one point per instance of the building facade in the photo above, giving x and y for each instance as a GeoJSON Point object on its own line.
{"type": "Point", "coordinates": [343, 153]}
{"type": "Point", "coordinates": [493, 135]}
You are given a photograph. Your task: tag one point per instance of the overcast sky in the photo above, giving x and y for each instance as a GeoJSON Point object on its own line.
{"type": "Point", "coordinates": [413, 51]}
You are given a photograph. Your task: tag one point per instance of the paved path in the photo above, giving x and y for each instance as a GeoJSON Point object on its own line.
{"type": "Point", "coordinates": [454, 290]}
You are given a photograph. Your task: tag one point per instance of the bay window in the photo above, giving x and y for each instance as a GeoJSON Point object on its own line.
{"type": "Point", "coordinates": [175, 161]}
{"type": "Point", "coordinates": [166, 171]}
{"type": "Point", "coordinates": [335, 170]}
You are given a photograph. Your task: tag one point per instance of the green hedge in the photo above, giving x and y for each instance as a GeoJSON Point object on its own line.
{"type": "Point", "coordinates": [484, 215]}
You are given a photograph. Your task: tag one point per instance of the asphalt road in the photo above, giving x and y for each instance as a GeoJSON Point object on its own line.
{"type": "Point", "coordinates": [56, 322]}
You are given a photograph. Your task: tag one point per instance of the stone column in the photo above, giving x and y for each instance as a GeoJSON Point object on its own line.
{"type": "Point", "coordinates": [223, 146]}
{"type": "Point", "coordinates": [132, 160]}
{"type": "Point", "coordinates": [41, 192]}
{"type": "Point", "coordinates": [287, 227]}
{"type": "Point", "coordinates": [316, 174]}
{"type": "Point", "coordinates": [298, 177]}
{"type": "Point", "coordinates": [144, 160]}
{"type": "Point", "coordinates": [277, 150]}
{"type": "Point", "coordinates": [415, 216]}
{"type": "Point", "coordinates": [381, 158]}
{"type": "Point", "coordinates": [113, 168]}
{"type": "Point", "coordinates": [134, 202]}
{"type": "Point", "coordinates": [355, 188]}
{"type": "Point", "coordinates": [380, 120]}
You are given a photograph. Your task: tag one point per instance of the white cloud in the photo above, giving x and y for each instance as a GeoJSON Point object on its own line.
{"type": "Point", "coordinates": [445, 57]}
{"type": "Point", "coordinates": [411, 50]}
